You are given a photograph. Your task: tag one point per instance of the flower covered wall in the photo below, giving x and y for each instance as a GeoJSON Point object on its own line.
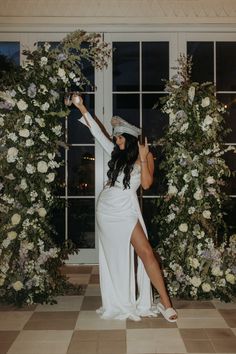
{"type": "Point", "coordinates": [31, 126]}
{"type": "Point", "coordinates": [197, 252]}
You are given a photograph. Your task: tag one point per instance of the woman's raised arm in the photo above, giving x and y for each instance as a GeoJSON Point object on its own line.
{"type": "Point", "coordinates": [94, 128]}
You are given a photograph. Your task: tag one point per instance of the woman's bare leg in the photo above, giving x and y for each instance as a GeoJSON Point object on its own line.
{"type": "Point", "coordinates": [144, 251]}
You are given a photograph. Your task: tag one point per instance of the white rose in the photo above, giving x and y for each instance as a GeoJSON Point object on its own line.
{"type": "Point", "coordinates": [15, 219]}
{"type": "Point", "coordinates": [40, 122]}
{"type": "Point", "coordinates": [22, 105]}
{"type": "Point", "coordinates": [43, 61]}
{"type": "Point", "coordinates": [30, 246]}
{"type": "Point", "coordinates": [1, 122]}
{"type": "Point", "coordinates": [230, 278]}
{"type": "Point", "coordinates": [23, 184]}
{"type": "Point", "coordinates": [24, 133]}
{"type": "Point", "coordinates": [210, 180]}
{"type": "Point", "coordinates": [208, 120]}
{"type": "Point", "coordinates": [206, 214]}
{"type": "Point", "coordinates": [11, 235]}
{"type": "Point", "coordinates": [191, 210]}
{"type": "Point", "coordinates": [2, 280]}
{"type": "Point", "coordinates": [28, 119]}
{"type": "Point", "coordinates": [216, 272]}
{"type": "Point", "coordinates": [30, 169]}
{"type": "Point", "coordinates": [187, 178]}
{"type": "Point", "coordinates": [29, 142]}
{"type": "Point", "coordinates": [198, 195]}
{"type": "Point", "coordinates": [71, 75]}
{"type": "Point", "coordinates": [17, 285]}
{"type": "Point", "coordinates": [43, 89]}
{"type": "Point", "coordinates": [12, 154]}
{"type": "Point", "coordinates": [191, 94]}
{"type": "Point", "coordinates": [195, 281]}
{"type": "Point", "coordinates": [61, 72]}
{"type": "Point", "coordinates": [205, 102]}
{"type": "Point", "coordinates": [183, 227]}
{"type": "Point", "coordinates": [194, 262]}
{"type": "Point", "coordinates": [206, 287]}
{"type": "Point", "coordinates": [42, 212]}
{"type": "Point", "coordinates": [194, 173]}
{"type": "Point", "coordinates": [6, 242]}
{"type": "Point", "coordinates": [42, 167]}
{"type": "Point", "coordinates": [45, 106]}
{"type": "Point", "coordinates": [50, 177]}
{"type": "Point", "coordinates": [184, 127]}
{"type": "Point", "coordinates": [172, 190]}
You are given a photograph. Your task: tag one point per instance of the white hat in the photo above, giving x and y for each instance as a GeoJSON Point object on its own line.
{"type": "Point", "coordinates": [120, 126]}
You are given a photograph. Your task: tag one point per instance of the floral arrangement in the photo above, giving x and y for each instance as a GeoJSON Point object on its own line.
{"type": "Point", "coordinates": [31, 127]}
{"type": "Point", "coordinates": [199, 259]}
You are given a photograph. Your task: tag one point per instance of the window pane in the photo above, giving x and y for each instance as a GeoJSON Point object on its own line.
{"type": "Point", "coordinates": [81, 164]}
{"type": "Point", "coordinates": [11, 50]}
{"type": "Point", "coordinates": [126, 66]}
{"type": "Point", "coordinates": [154, 121]}
{"type": "Point", "coordinates": [155, 65]}
{"type": "Point", "coordinates": [158, 187]}
{"type": "Point", "coordinates": [226, 66]}
{"type": "Point", "coordinates": [230, 116]}
{"type": "Point", "coordinates": [127, 107]}
{"type": "Point", "coordinates": [203, 60]}
{"type": "Point", "coordinates": [230, 159]}
{"type": "Point", "coordinates": [78, 133]}
{"type": "Point", "coordinates": [81, 222]}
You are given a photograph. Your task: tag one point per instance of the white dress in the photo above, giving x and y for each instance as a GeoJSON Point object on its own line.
{"type": "Point", "coordinates": [117, 213]}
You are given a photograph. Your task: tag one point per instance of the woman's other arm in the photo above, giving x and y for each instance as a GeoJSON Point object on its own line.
{"type": "Point", "coordinates": [147, 165]}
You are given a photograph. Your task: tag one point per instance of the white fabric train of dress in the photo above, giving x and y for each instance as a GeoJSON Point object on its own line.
{"type": "Point", "coordinates": [117, 213]}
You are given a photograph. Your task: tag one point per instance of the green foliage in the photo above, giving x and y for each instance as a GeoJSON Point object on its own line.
{"type": "Point", "coordinates": [198, 254]}
{"type": "Point", "coordinates": [32, 112]}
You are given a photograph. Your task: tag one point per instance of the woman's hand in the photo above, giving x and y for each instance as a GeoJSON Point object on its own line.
{"type": "Point", "coordinates": [77, 100]}
{"type": "Point", "coordinates": [143, 150]}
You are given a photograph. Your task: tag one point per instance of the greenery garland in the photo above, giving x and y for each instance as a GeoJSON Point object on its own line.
{"type": "Point", "coordinates": [198, 256]}
{"type": "Point", "coordinates": [31, 120]}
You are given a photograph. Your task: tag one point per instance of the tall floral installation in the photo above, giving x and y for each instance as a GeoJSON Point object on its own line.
{"type": "Point", "coordinates": [32, 112]}
{"type": "Point", "coordinates": [198, 255]}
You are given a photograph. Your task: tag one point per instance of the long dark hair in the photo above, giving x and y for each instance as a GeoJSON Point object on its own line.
{"type": "Point", "coordinates": [123, 160]}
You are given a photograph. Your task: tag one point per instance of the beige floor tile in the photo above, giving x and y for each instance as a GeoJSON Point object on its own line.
{"type": "Point", "coordinates": [41, 342]}
{"type": "Point", "coordinates": [199, 313]}
{"type": "Point", "coordinates": [15, 320]}
{"type": "Point", "coordinates": [79, 278]}
{"type": "Point", "coordinates": [90, 320]}
{"type": "Point", "coordinates": [52, 321]}
{"type": "Point", "coordinates": [64, 303]}
{"type": "Point", "coordinates": [86, 347]}
{"type": "Point", "coordinates": [5, 307]}
{"type": "Point", "coordinates": [234, 331]}
{"type": "Point", "coordinates": [202, 322]}
{"type": "Point", "coordinates": [93, 290]}
{"type": "Point", "coordinates": [155, 341]}
{"type": "Point", "coordinates": [114, 335]}
{"type": "Point", "coordinates": [146, 322]}
{"type": "Point", "coordinates": [199, 346]}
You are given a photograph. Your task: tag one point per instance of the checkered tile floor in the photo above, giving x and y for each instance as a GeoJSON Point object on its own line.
{"type": "Point", "coordinates": [73, 327]}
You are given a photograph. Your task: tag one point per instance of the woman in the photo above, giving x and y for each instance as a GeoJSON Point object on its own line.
{"type": "Point", "coordinates": [121, 227]}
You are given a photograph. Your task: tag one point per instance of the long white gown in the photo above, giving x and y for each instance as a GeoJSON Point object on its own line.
{"type": "Point", "coordinates": [117, 213]}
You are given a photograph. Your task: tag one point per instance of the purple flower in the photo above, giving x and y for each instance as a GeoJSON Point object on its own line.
{"type": "Point", "coordinates": [211, 161]}
{"type": "Point", "coordinates": [61, 57]}
{"type": "Point", "coordinates": [32, 90]}
{"type": "Point", "coordinates": [6, 105]}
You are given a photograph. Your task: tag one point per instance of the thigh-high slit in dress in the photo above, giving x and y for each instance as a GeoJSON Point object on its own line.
{"type": "Point", "coordinates": [117, 213]}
